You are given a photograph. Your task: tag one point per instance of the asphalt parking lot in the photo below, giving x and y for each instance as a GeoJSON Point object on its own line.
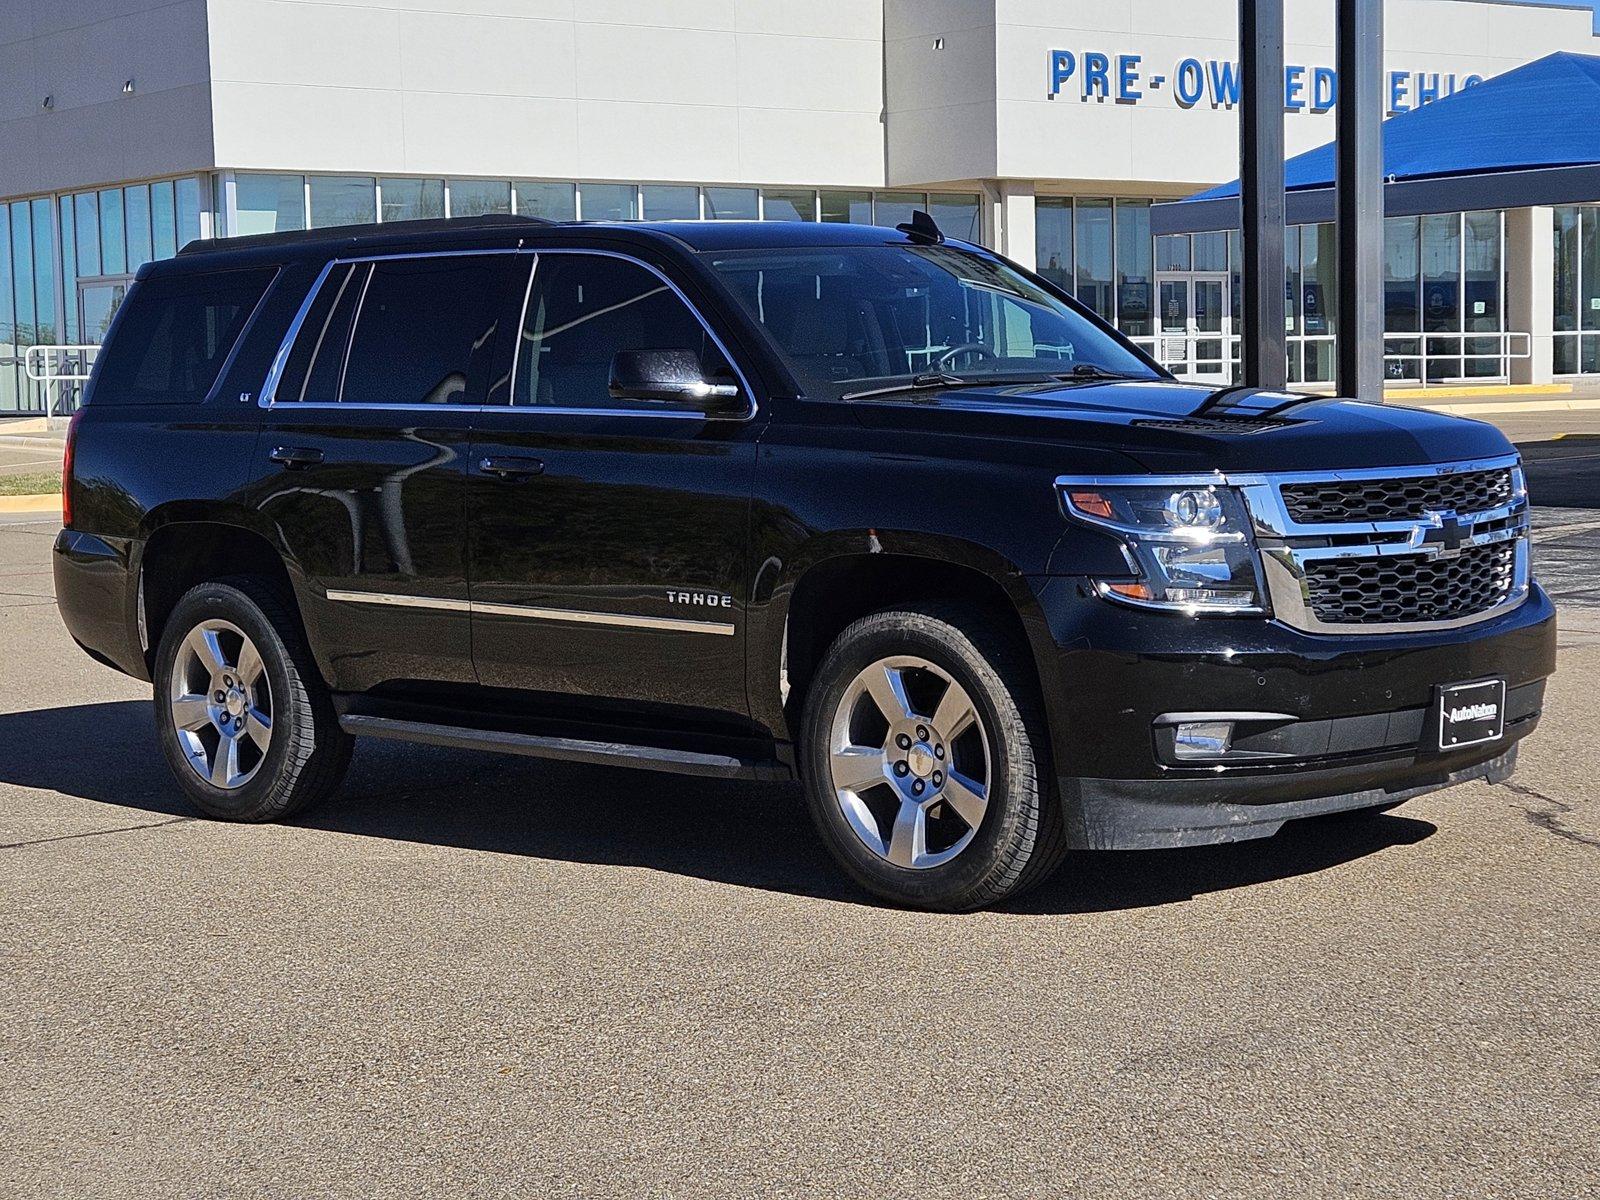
{"type": "Point", "coordinates": [483, 976]}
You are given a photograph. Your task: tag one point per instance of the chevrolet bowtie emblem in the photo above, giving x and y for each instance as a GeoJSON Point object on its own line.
{"type": "Point", "coordinates": [1444, 530]}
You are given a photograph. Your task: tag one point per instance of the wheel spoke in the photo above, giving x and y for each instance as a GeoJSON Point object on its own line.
{"type": "Point", "coordinates": [969, 799]}
{"type": "Point", "coordinates": [259, 726]}
{"type": "Point", "coordinates": [249, 663]}
{"type": "Point", "coordinates": [856, 768]}
{"type": "Point", "coordinates": [205, 646]}
{"type": "Point", "coordinates": [887, 687]}
{"type": "Point", "coordinates": [955, 712]}
{"type": "Point", "coordinates": [908, 841]}
{"type": "Point", "coordinates": [225, 763]}
{"type": "Point", "coordinates": [191, 712]}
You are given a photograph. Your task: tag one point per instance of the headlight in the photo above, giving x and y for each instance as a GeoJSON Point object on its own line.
{"type": "Point", "coordinates": [1188, 542]}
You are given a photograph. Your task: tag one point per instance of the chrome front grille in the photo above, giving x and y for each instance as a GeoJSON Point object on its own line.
{"type": "Point", "coordinates": [1402, 498]}
{"type": "Point", "coordinates": [1392, 550]}
{"type": "Point", "coordinates": [1411, 588]}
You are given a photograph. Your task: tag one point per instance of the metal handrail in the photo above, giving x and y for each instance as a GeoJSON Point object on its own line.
{"type": "Point", "coordinates": [62, 370]}
{"type": "Point", "coordinates": [1509, 344]}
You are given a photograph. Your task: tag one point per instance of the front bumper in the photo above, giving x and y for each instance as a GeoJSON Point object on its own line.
{"type": "Point", "coordinates": [1363, 710]}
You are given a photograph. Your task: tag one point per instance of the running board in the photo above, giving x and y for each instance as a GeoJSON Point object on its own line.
{"type": "Point", "coordinates": [532, 745]}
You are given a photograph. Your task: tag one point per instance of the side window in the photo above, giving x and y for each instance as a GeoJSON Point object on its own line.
{"type": "Point", "coordinates": [178, 331]}
{"type": "Point", "coordinates": [398, 331]}
{"type": "Point", "coordinates": [583, 309]}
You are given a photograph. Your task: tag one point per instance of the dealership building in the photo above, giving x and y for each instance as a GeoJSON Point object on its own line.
{"type": "Point", "coordinates": [1043, 129]}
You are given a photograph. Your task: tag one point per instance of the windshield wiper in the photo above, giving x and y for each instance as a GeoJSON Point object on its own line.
{"type": "Point", "coordinates": [1088, 370]}
{"type": "Point", "coordinates": [938, 380]}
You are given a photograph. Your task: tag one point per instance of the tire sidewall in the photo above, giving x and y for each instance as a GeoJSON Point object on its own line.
{"type": "Point", "coordinates": [212, 602]}
{"type": "Point", "coordinates": [947, 885]}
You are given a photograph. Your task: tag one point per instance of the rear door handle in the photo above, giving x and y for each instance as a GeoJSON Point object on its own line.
{"type": "Point", "coordinates": [296, 456]}
{"type": "Point", "coordinates": [511, 468]}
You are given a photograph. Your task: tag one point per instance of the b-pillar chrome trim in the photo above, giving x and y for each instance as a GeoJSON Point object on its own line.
{"type": "Point", "coordinates": [531, 612]}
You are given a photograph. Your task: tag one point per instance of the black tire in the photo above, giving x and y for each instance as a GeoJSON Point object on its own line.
{"type": "Point", "coordinates": [307, 754]}
{"type": "Point", "coordinates": [1021, 838]}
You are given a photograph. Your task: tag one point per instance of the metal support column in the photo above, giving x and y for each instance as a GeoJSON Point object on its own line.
{"type": "Point", "coordinates": [1264, 352]}
{"type": "Point", "coordinates": [1358, 203]}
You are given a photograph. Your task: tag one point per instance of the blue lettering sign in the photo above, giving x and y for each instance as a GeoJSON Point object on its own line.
{"type": "Point", "coordinates": [1190, 83]}
{"type": "Point", "coordinates": [1224, 82]}
{"type": "Point", "coordinates": [1427, 88]}
{"type": "Point", "coordinates": [1062, 64]}
{"type": "Point", "coordinates": [1324, 88]}
{"type": "Point", "coordinates": [1399, 81]}
{"type": "Point", "coordinates": [1128, 78]}
{"type": "Point", "coordinates": [1294, 88]}
{"type": "Point", "coordinates": [1095, 68]}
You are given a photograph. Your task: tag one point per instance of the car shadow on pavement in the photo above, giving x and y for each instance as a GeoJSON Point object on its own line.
{"type": "Point", "coordinates": [748, 835]}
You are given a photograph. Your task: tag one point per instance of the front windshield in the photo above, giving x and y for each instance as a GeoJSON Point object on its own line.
{"type": "Point", "coordinates": [851, 319]}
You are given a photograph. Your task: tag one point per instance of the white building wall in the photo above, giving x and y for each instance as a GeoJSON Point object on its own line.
{"type": "Point", "coordinates": [711, 91]}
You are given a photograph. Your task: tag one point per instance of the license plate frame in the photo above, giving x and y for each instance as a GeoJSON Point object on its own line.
{"type": "Point", "coordinates": [1462, 721]}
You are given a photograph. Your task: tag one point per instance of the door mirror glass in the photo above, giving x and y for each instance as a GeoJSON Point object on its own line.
{"type": "Point", "coordinates": [673, 376]}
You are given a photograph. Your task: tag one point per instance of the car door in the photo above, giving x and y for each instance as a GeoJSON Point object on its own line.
{"type": "Point", "coordinates": [608, 538]}
{"type": "Point", "coordinates": [363, 455]}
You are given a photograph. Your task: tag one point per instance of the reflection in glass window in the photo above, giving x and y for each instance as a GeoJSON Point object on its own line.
{"type": "Point", "coordinates": [411, 199]}
{"type": "Point", "coordinates": [1210, 250]}
{"type": "Point", "coordinates": [342, 200]}
{"type": "Point", "coordinates": [1092, 254]}
{"type": "Point", "coordinates": [778, 204]}
{"type": "Point", "coordinates": [188, 205]}
{"type": "Point", "coordinates": [895, 208]}
{"type": "Point", "coordinates": [86, 211]}
{"type": "Point", "coordinates": [113, 247]}
{"type": "Point", "coordinates": [957, 214]}
{"type": "Point", "coordinates": [1135, 268]}
{"type": "Point", "coordinates": [582, 311]}
{"type": "Point", "coordinates": [22, 271]}
{"type": "Point", "coordinates": [262, 203]}
{"type": "Point", "coordinates": [732, 204]}
{"type": "Point", "coordinates": [44, 275]}
{"type": "Point", "coordinates": [1566, 288]}
{"type": "Point", "coordinates": [1441, 293]}
{"type": "Point", "coordinates": [1319, 299]}
{"type": "Point", "coordinates": [69, 268]}
{"type": "Point", "coordinates": [1481, 292]}
{"type": "Point", "coordinates": [854, 208]}
{"type": "Point", "coordinates": [552, 201]}
{"type": "Point", "coordinates": [609, 202]}
{"type": "Point", "coordinates": [1052, 239]}
{"type": "Point", "coordinates": [479, 197]}
{"type": "Point", "coordinates": [163, 220]}
{"type": "Point", "coordinates": [667, 202]}
{"type": "Point", "coordinates": [1172, 252]}
{"type": "Point", "coordinates": [136, 210]}
{"type": "Point", "coordinates": [1402, 304]}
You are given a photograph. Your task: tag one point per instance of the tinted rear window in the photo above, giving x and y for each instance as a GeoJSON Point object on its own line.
{"type": "Point", "coordinates": [177, 332]}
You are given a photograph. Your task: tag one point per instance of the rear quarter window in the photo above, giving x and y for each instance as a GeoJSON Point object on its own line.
{"type": "Point", "coordinates": [170, 344]}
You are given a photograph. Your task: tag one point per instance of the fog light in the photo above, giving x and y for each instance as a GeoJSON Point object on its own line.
{"type": "Point", "coordinates": [1202, 740]}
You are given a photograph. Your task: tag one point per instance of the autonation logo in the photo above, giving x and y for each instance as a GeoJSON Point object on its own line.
{"type": "Point", "coordinates": [1474, 712]}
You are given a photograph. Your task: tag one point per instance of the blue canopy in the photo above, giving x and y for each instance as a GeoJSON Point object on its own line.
{"type": "Point", "coordinates": [1540, 117]}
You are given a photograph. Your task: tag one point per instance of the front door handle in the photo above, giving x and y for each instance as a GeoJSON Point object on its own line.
{"type": "Point", "coordinates": [510, 468]}
{"type": "Point", "coordinates": [296, 456]}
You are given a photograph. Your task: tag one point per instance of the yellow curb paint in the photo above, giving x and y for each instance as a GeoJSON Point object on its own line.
{"type": "Point", "coordinates": [1589, 404]}
{"type": "Point", "coordinates": [1504, 389]}
{"type": "Point", "coordinates": [49, 502]}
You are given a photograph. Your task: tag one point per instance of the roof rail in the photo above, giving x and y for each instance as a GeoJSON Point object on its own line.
{"type": "Point", "coordinates": [334, 233]}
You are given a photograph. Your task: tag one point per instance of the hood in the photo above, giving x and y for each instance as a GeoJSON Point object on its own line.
{"type": "Point", "coordinates": [1168, 426]}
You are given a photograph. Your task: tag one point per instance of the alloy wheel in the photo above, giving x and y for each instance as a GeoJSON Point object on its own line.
{"type": "Point", "coordinates": [909, 762]}
{"type": "Point", "coordinates": [221, 704]}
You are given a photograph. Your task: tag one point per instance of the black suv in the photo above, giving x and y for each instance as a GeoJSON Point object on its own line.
{"type": "Point", "coordinates": [862, 506]}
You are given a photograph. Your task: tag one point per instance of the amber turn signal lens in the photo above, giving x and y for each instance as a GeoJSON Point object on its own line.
{"type": "Point", "coordinates": [1091, 504]}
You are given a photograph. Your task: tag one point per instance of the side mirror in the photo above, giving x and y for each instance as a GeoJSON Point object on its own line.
{"type": "Point", "coordinates": [673, 376]}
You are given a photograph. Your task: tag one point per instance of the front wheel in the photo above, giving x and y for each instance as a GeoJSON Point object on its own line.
{"type": "Point", "coordinates": [924, 760]}
{"type": "Point", "coordinates": [243, 718]}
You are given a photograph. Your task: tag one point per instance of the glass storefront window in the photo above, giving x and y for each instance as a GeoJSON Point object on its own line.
{"type": "Point", "coordinates": [86, 207]}
{"type": "Point", "coordinates": [957, 214]}
{"type": "Point", "coordinates": [1092, 255]}
{"type": "Point", "coordinates": [22, 272]}
{"type": "Point", "coordinates": [262, 204]}
{"type": "Point", "coordinates": [552, 201]}
{"type": "Point", "coordinates": [666, 202]}
{"type": "Point", "coordinates": [847, 207]}
{"type": "Point", "coordinates": [732, 204]}
{"type": "Point", "coordinates": [1319, 300]}
{"type": "Point", "coordinates": [10, 374]}
{"type": "Point", "coordinates": [1566, 288]}
{"type": "Point", "coordinates": [895, 208]}
{"type": "Point", "coordinates": [1135, 267]}
{"type": "Point", "coordinates": [1292, 323]}
{"type": "Point", "coordinates": [69, 268]}
{"type": "Point", "coordinates": [1172, 252]}
{"type": "Point", "coordinates": [342, 200]}
{"type": "Point", "coordinates": [1052, 239]}
{"type": "Point", "coordinates": [609, 202]}
{"type": "Point", "coordinates": [136, 209]}
{"type": "Point", "coordinates": [1441, 293]}
{"type": "Point", "coordinates": [188, 206]}
{"type": "Point", "coordinates": [787, 205]}
{"type": "Point", "coordinates": [479, 197]}
{"type": "Point", "coordinates": [410, 199]}
{"type": "Point", "coordinates": [113, 247]}
{"type": "Point", "coordinates": [1210, 251]}
{"type": "Point", "coordinates": [1402, 307]}
{"type": "Point", "coordinates": [1482, 282]}
{"type": "Point", "coordinates": [44, 274]}
{"type": "Point", "coordinates": [163, 220]}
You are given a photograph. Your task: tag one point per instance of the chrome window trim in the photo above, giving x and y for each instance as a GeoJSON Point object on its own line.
{"type": "Point", "coordinates": [671, 413]}
{"type": "Point", "coordinates": [1282, 561]}
{"type": "Point", "coordinates": [531, 612]}
{"type": "Point", "coordinates": [280, 360]}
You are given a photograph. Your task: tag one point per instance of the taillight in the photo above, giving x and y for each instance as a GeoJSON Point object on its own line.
{"type": "Point", "coordinates": [66, 469]}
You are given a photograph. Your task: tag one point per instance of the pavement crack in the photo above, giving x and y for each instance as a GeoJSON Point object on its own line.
{"type": "Point", "coordinates": [1550, 821]}
{"type": "Point", "coordinates": [67, 837]}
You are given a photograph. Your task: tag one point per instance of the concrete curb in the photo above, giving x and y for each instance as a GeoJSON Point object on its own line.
{"type": "Point", "coordinates": [1584, 404]}
{"type": "Point", "coordinates": [50, 441]}
{"type": "Point", "coordinates": [46, 502]}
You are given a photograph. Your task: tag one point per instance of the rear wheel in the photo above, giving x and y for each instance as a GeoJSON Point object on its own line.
{"type": "Point", "coordinates": [243, 719]}
{"type": "Point", "coordinates": [924, 760]}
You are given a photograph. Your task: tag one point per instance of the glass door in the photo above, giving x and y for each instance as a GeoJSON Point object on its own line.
{"type": "Point", "coordinates": [1173, 344]}
{"type": "Point", "coordinates": [1211, 316]}
{"type": "Point", "coordinates": [1196, 325]}
{"type": "Point", "coordinates": [98, 302]}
